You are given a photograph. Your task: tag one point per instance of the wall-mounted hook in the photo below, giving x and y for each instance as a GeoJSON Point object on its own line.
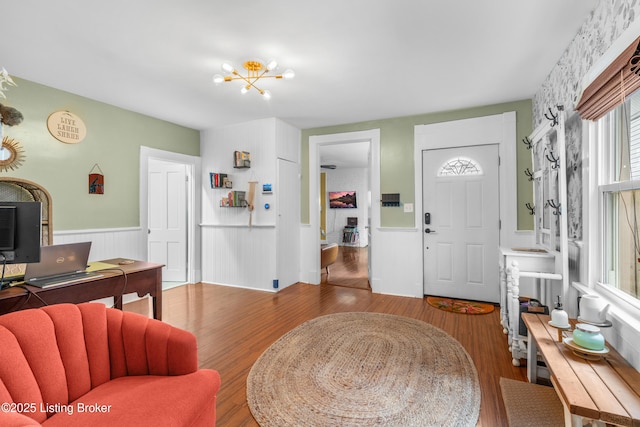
{"type": "Point", "coordinates": [532, 209]}
{"type": "Point", "coordinates": [527, 142]}
{"type": "Point", "coordinates": [554, 205]}
{"type": "Point", "coordinates": [529, 174]}
{"type": "Point", "coordinates": [552, 118]}
{"type": "Point", "coordinates": [555, 161]}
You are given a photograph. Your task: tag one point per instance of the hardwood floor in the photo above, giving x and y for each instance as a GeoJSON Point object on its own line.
{"type": "Point", "coordinates": [350, 268]}
{"type": "Point", "coordinates": [235, 326]}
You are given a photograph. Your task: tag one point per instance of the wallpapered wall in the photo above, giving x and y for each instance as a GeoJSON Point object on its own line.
{"type": "Point", "coordinates": [563, 87]}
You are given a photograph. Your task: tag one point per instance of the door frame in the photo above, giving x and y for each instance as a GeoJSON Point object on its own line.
{"type": "Point", "coordinates": [193, 201]}
{"type": "Point", "coordinates": [497, 129]}
{"type": "Point", "coordinates": [373, 137]}
{"type": "Point", "coordinates": [432, 160]}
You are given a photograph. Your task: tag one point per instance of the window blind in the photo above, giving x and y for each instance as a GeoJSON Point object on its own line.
{"type": "Point", "coordinates": [610, 88]}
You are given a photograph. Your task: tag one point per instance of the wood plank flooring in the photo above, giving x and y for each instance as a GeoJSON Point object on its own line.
{"type": "Point", "coordinates": [350, 269]}
{"type": "Point", "coordinates": [235, 326]}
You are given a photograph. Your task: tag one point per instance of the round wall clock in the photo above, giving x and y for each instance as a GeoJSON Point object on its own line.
{"type": "Point", "coordinates": [11, 154]}
{"type": "Point", "coordinates": [66, 127]}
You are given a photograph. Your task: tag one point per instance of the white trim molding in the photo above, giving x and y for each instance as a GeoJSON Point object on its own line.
{"type": "Point", "coordinates": [497, 129]}
{"type": "Point", "coordinates": [311, 263]}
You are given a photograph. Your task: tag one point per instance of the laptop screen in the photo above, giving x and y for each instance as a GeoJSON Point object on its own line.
{"type": "Point", "coordinates": [56, 260]}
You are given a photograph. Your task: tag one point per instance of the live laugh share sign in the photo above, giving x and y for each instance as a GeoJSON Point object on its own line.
{"type": "Point", "coordinates": [66, 127]}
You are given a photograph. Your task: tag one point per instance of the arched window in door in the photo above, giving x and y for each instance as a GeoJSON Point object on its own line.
{"type": "Point", "coordinates": [460, 166]}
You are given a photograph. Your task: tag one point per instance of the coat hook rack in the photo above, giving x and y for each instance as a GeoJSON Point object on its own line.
{"type": "Point", "coordinates": [553, 159]}
{"type": "Point", "coordinates": [532, 209]}
{"type": "Point", "coordinates": [527, 142]}
{"type": "Point", "coordinates": [529, 174]}
{"type": "Point", "coordinates": [554, 205]}
{"type": "Point", "coordinates": [554, 118]}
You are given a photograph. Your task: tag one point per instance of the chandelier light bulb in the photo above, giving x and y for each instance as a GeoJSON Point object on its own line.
{"type": "Point", "coordinates": [227, 67]}
{"type": "Point", "coordinates": [289, 74]}
{"type": "Point", "coordinates": [244, 89]}
{"type": "Point", "coordinates": [272, 65]}
{"type": "Point", "coordinates": [217, 79]}
{"type": "Point", "coordinates": [266, 95]}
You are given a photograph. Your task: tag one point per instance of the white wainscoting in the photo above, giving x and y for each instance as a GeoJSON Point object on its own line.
{"type": "Point", "coordinates": [107, 243]}
{"type": "Point", "coordinates": [398, 266]}
{"type": "Point", "coordinates": [236, 255]}
{"type": "Point", "coordinates": [309, 254]}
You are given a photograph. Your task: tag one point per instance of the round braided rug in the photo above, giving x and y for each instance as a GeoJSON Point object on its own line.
{"type": "Point", "coordinates": [364, 369]}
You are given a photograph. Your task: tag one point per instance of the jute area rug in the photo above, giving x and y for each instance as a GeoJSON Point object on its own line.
{"type": "Point", "coordinates": [364, 369]}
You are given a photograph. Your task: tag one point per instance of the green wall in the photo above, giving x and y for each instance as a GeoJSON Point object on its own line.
{"type": "Point", "coordinates": [113, 141]}
{"type": "Point", "coordinates": [396, 157]}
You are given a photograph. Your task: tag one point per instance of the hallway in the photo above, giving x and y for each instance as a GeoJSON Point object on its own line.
{"type": "Point", "coordinates": [349, 270]}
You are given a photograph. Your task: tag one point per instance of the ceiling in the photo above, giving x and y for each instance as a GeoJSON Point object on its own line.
{"type": "Point", "coordinates": [350, 155]}
{"type": "Point", "coordinates": [355, 60]}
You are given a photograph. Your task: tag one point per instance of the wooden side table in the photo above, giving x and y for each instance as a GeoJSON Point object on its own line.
{"type": "Point", "coordinates": [606, 390]}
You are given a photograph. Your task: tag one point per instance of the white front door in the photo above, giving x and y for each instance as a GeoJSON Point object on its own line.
{"type": "Point", "coordinates": [461, 215]}
{"type": "Point", "coordinates": [167, 240]}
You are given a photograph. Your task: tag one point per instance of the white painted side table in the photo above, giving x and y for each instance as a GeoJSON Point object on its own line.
{"type": "Point", "coordinates": [514, 264]}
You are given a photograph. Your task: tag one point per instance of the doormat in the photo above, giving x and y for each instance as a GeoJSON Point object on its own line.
{"type": "Point", "coordinates": [460, 306]}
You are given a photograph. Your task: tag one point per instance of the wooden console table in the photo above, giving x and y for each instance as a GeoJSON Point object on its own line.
{"type": "Point", "coordinates": [141, 277]}
{"type": "Point", "coordinates": [607, 390]}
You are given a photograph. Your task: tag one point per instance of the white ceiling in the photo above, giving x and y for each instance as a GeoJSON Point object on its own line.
{"type": "Point", "coordinates": [355, 60]}
{"type": "Point", "coordinates": [351, 155]}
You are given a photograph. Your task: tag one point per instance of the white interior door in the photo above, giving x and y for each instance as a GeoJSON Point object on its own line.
{"type": "Point", "coordinates": [287, 223]}
{"type": "Point", "coordinates": [461, 216]}
{"type": "Point", "coordinates": [167, 240]}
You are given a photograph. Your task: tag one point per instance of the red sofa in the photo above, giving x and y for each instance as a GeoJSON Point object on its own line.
{"type": "Point", "coordinates": [89, 365]}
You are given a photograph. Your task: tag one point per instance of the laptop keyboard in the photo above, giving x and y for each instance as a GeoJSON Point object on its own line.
{"type": "Point", "coordinates": [64, 280]}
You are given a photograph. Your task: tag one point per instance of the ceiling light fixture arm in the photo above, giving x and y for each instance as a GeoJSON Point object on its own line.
{"type": "Point", "coordinates": [255, 71]}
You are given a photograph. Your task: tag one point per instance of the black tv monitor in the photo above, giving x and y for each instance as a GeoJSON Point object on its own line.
{"type": "Point", "coordinates": [20, 232]}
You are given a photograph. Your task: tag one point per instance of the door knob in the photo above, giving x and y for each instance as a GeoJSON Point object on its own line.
{"type": "Point", "coordinates": [428, 230]}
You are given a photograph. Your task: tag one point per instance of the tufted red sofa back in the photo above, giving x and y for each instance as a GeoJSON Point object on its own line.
{"type": "Point", "coordinates": [56, 354]}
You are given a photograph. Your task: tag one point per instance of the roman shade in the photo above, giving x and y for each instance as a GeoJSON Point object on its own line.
{"type": "Point", "coordinates": [608, 90]}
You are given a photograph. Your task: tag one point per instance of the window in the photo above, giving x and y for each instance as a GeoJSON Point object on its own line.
{"type": "Point", "coordinates": [619, 189]}
{"type": "Point", "coordinates": [460, 166]}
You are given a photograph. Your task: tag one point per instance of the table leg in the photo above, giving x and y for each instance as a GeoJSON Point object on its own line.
{"type": "Point", "coordinates": [532, 359]}
{"type": "Point", "coordinates": [157, 298]}
{"type": "Point", "coordinates": [515, 313]}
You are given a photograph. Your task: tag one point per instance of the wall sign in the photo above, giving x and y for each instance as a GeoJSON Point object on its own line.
{"type": "Point", "coordinates": [66, 127]}
{"type": "Point", "coordinates": [96, 180]}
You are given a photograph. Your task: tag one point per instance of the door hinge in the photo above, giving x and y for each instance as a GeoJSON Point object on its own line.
{"type": "Point", "coordinates": [499, 224]}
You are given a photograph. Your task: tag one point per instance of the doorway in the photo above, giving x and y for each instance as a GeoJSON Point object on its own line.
{"type": "Point", "coordinates": [500, 130]}
{"type": "Point", "coordinates": [370, 200]}
{"type": "Point", "coordinates": [189, 167]}
{"type": "Point", "coordinates": [461, 222]}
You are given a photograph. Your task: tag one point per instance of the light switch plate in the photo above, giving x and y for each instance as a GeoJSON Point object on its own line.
{"type": "Point", "coordinates": [408, 207]}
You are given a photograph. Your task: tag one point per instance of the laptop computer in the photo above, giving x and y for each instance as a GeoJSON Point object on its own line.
{"type": "Point", "coordinates": [60, 265]}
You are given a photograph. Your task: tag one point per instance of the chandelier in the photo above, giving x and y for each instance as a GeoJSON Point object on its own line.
{"type": "Point", "coordinates": [255, 70]}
